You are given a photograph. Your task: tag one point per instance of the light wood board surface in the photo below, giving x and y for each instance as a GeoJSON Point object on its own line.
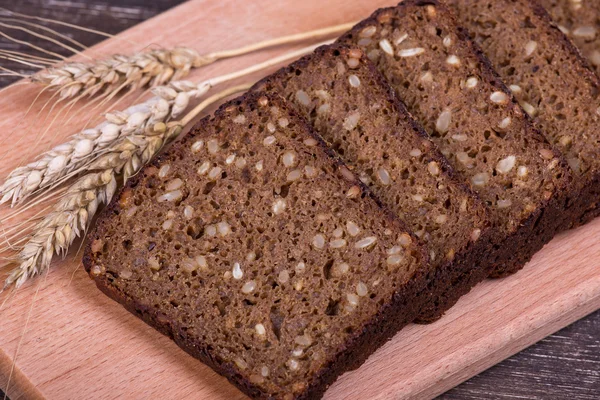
{"type": "Point", "coordinates": [79, 344]}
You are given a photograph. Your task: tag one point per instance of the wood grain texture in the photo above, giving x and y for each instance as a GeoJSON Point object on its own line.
{"type": "Point", "coordinates": [73, 325]}
{"type": "Point", "coordinates": [562, 366]}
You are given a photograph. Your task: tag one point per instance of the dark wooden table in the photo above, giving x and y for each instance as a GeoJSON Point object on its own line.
{"type": "Point", "coordinates": [565, 365]}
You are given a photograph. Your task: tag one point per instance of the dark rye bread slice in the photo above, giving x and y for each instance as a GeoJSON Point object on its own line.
{"type": "Point", "coordinates": [580, 21]}
{"type": "Point", "coordinates": [256, 250]}
{"type": "Point", "coordinates": [451, 89]}
{"type": "Point", "coordinates": [551, 81]}
{"type": "Point", "coordinates": [341, 93]}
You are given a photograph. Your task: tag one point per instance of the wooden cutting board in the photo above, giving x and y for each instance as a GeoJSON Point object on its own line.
{"type": "Point", "coordinates": [74, 343]}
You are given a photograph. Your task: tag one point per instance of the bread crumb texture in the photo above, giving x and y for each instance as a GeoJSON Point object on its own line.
{"type": "Point", "coordinates": [253, 244]}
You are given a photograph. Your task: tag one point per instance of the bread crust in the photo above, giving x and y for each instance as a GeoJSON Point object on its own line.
{"type": "Point", "coordinates": [509, 253]}
{"type": "Point", "coordinates": [583, 204]}
{"type": "Point", "coordinates": [391, 317]}
{"type": "Point", "coordinates": [581, 198]}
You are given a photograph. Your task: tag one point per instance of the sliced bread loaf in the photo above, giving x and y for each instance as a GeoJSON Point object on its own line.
{"type": "Point", "coordinates": [341, 93]}
{"type": "Point", "coordinates": [450, 88]}
{"type": "Point", "coordinates": [550, 79]}
{"type": "Point", "coordinates": [580, 21]}
{"type": "Point", "coordinates": [259, 253]}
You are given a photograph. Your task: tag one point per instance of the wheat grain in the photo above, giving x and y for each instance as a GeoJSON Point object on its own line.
{"type": "Point", "coordinates": [66, 159]}
{"type": "Point", "coordinates": [71, 216]}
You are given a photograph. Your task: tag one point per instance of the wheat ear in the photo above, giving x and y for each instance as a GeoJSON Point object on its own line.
{"type": "Point", "coordinates": [66, 159]}
{"type": "Point", "coordinates": [71, 216]}
{"type": "Point", "coordinates": [149, 68]}
{"type": "Point", "coordinates": [154, 67]}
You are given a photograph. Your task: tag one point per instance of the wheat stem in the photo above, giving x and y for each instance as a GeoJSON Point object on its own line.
{"type": "Point", "coordinates": [22, 338]}
{"type": "Point", "coordinates": [150, 68]}
{"type": "Point", "coordinates": [71, 216]}
{"type": "Point", "coordinates": [267, 64]}
{"type": "Point", "coordinates": [298, 37]}
{"type": "Point", "coordinates": [189, 117]}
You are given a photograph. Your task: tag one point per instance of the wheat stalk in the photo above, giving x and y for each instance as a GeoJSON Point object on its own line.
{"type": "Point", "coordinates": [154, 68]}
{"type": "Point", "coordinates": [69, 158]}
{"type": "Point", "coordinates": [149, 68]}
{"type": "Point", "coordinates": [71, 216]}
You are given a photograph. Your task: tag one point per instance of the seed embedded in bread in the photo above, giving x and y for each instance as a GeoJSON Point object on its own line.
{"type": "Point", "coordinates": [556, 87]}
{"type": "Point", "coordinates": [581, 23]}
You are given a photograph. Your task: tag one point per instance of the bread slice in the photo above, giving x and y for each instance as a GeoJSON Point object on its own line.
{"type": "Point", "coordinates": [451, 89]}
{"type": "Point", "coordinates": [341, 93]}
{"type": "Point", "coordinates": [580, 21]}
{"type": "Point", "coordinates": [259, 253]}
{"type": "Point", "coordinates": [551, 81]}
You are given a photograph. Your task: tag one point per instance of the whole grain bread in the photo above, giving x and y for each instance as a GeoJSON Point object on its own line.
{"type": "Point", "coordinates": [259, 253]}
{"type": "Point", "coordinates": [552, 82]}
{"type": "Point", "coordinates": [452, 90]}
{"type": "Point", "coordinates": [580, 21]}
{"type": "Point", "coordinates": [341, 93]}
